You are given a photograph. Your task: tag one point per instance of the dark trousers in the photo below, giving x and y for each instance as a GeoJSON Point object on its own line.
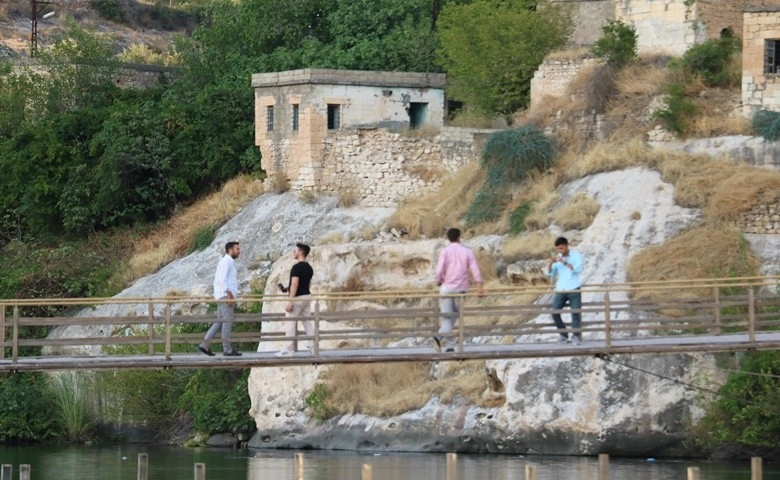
{"type": "Point", "coordinates": [574, 299]}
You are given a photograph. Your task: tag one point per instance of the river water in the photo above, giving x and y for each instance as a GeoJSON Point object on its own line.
{"type": "Point", "coordinates": [174, 463]}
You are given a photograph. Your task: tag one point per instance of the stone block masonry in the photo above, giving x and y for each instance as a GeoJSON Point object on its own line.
{"type": "Point", "coordinates": [759, 89]}
{"type": "Point", "coordinates": [763, 219]}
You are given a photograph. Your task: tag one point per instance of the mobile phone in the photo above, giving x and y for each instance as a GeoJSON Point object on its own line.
{"type": "Point", "coordinates": [282, 288]}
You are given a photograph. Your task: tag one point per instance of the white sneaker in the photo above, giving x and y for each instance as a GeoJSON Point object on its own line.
{"type": "Point", "coordinates": [576, 340]}
{"type": "Point", "coordinates": [562, 338]}
{"type": "Point", "coordinates": [283, 353]}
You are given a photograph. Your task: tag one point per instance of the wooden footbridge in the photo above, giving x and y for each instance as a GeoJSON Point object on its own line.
{"type": "Point", "coordinates": [702, 315]}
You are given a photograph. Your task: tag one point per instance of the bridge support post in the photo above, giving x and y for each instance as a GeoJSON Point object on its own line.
{"type": "Point", "coordinates": [530, 472]}
{"type": "Point", "coordinates": [143, 466]}
{"type": "Point", "coordinates": [603, 466]}
{"type": "Point", "coordinates": [150, 328]}
{"type": "Point", "coordinates": [315, 347]}
{"type": "Point", "coordinates": [2, 330]}
{"type": "Point", "coordinates": [751, 316]}
{"type": "Point", "coordinates": [24, 472]}
{"type": "Point", "coordinates": [15, 345]}
{"type": "Point", "coordinates": [693, 473]}
{"type": "Point", "coordinates": [6, 472]}
{"type": "Point", "coordinates": [716, 309]}
{"type": "Point", "coordinates": [367, 473]}
{"type": "Point", "coordinates": [756, 469]}
{"type": "Point", "coordinates": [167, 331]}
{"type": "Point", "coordinates": [607, 322]}
{"type": "Point", "coordinates": [298, 466]}
{"type": "Point", "coordinates": [452, 466]}
{"type": "Point", "coordinates": [200, 471]}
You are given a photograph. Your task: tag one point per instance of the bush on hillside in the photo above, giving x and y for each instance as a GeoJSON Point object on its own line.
{"type": "Point", "coordinates": [618, 43]}
{"type": "Point", "coordinates": [767, 124]}
{"type": "Point", "coordinates": [678, 109]}
{"type": "Point", "coordinates": [710, 60]}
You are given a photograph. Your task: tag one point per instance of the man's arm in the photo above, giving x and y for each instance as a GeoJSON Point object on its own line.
{"type": "Point", "coordinates": [575, 263]}
{"type": "Point", "coordinates": [440, 268]}
{"type": "Point", "coordinates": [474, 267]}
{"type": "Point", "coordinates": [292, 291]}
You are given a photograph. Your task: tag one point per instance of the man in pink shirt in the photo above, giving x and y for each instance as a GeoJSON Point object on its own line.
{"type": "Point", "coordinates": [452, 275]}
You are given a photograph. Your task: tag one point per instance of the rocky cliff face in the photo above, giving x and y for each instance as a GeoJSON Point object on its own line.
{"type": "Point", "coordinates": [632, 405]}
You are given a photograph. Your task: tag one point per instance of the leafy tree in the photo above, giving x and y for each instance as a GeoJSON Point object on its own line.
{"type": "Point", "coordinates": [25, 408]}
{"type": "Point", "coordinates": [618, 43]}
{"type": "Point", "coordinates": [491, 48]}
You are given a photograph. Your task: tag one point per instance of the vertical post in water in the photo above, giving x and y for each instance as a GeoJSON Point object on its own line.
{"type": "Point", "coordinates": [756, 469]}
{"type": "Point", "coordinates": [452, 466]}
{"type": "Point", "coordinates": [24, 472]}
{"type": "Point", "coordinates": [367, 473]}
{"type": "Point", "coordinates": [603, 466]}
{"type": "Point", "coordinates": [298, 466]}
{"type": "Point", "coordinates": [6, 473]}
{"type": "Point", "coordinates": [693, 473]}
{"type": "Point", "coordinates": [530, 472]}
{"type": "Point", "coordinates": [143, 466]}
{"type": "Point", "coordinates": [200, 471]}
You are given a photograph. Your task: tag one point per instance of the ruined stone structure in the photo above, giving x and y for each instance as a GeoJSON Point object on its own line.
{"type": "Point", "coordinates": [553, 77]}
{"type": "Point", "coordinates": [764, 219]}
{"type": "Point", "coordinates": [300, 113]}
{"type": "Point", "coordinates": [761, 59]}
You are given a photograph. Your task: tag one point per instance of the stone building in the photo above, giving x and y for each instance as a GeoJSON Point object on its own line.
{"type": "Point", "coordinates": [761, 59]}
{"type": "Point", "coordinates": [299, 112]}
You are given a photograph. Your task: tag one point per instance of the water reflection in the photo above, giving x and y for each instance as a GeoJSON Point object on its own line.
{"type": "Point", "coordinates": [171, 463]}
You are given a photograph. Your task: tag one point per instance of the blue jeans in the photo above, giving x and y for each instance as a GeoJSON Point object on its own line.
{"type": "Point", "coordinates": [574, 299]}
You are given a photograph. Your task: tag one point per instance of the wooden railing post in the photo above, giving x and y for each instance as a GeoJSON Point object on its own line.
{"type": "Point", "coordinates": [167, 331]}
{"type": "Point", "coordinates": [200, 471]}
{"type": "Point", "coordinates": [15, 344]}
{"type": "Point", "coordinates": [24, 472]}
{"type": "Point", "coordinates": [452, 466]}
{"type": "Point", "coordinates": [143, 466]}
{"type": "Point", "coordinates": [2, 330]}
{"type": "Point", "coordinates": [436, 314]}
{"type": "Point", "coordinates": [150, 328]}
{"type": "Point", "coordinates": [607, 322]}
{"type": "Point", "coordinates": [6, 472]}
{"type": "Point", "coordinates": [751, 316]}
{"type": "Point", "coordinates": [461, 320]}
{"type": "Point", "coordinates": [315, 347]}
{"type": "Point", "coordinates": [756, 469]}
{"type": "Point", "coordinates": [530, 472]}
{"type": "Point", "coordinates": [603, 466]}
{"type": "Point", "coordinates": [693, 473]}
{"type": "Point", "coordinates": [716, 310]}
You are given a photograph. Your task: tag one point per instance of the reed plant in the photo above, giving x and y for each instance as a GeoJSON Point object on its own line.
{"type": "Point", "coordinates": [74, 409]}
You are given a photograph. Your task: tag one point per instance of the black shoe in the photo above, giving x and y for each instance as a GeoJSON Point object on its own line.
{"type": "Point", "coordinates": [206, 350]}
{"type": "Point", "coordinates": [449, 349]}
{"type": "Point", "coordinates": [232, 353]}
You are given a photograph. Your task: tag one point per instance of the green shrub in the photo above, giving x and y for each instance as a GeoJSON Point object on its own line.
{"type": "Point", "coordinates": [72, 394]}
{"type": "Point", "coordinates": [518, 216]}
{"type": "Point", "coordinates": [746, 414]}
{"type": "Point", "coordinates": [203, 238]}
{"type": "Point", "coordinates": [317, 402]}
{"type": "Point", "coordinates": [108, 9]}
{"type": "Point", "coordinates": [486, 206]}
{"type": "Point", "coordinates": [678, 109]}
{"type": "Point", "coordinates": [218, 401]}
{"type": "Point", "coordinates": [767, 124]}
{"type": "Point", "coordinates": [25, 408]}
{"type": "Point", "coordinates": [710, 60]}
{"type": "Point", "coordinates": [509, 155]}
{"type": "Point", "coordinates": [618, 43]}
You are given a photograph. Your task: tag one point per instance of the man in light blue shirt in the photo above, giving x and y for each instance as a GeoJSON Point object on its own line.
{"type": "Point", "coordinates": [566, 267]}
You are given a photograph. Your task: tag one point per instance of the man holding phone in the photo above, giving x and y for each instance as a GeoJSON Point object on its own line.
{"type": "Point", "coordinates": [566, 266]}
{"type": "Point", "coordinates": [299, 303]}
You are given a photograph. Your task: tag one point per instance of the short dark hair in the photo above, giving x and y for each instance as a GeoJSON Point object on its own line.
{"type": "Point", "coordinates": [561, 241]}
{"type": "Point", "coordinates": [230, 245]}
{"type": "Point", "coordinates": [453, 234]}
{"type": "Point", "coordinates": [304, 248]}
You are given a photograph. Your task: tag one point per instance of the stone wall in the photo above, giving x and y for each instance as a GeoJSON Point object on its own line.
{"type": "Point", "coordinates": [553, 77]}
{"type": "Point", "coordinates": [589, 17]}
{"type": "Point", "coordinates": [764, 219]}
{"type": "Point", "coordinates": [379, 167]}
{"type": "Point", "coordinates": [717, 15]}
{"type": "Point", "coordinates": [759, 89]}
{"type": "Point", "coordinates": [740, 148]}
{"type": "Point", "coordinates": [662, 26]}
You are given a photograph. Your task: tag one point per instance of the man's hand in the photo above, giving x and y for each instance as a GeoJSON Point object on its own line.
{"type": "Point", "coordinates": [480, 290]}
{"type": "Point", "coordinates": [230, 299]}
{"type": "Point", "coordinates": [289, 307]}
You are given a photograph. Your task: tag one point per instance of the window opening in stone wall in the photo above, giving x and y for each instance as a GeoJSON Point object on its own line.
{"type": "Point", "coordinates": [295, 117]}
{"type": "Point", "coordinates": [269, 117]}
{"type": "Point", "coordinates": [334, 117]}
{"type": "Point", "coordinates": [418, 114]}
{"type": "Point", "coordinates": [772, 56]}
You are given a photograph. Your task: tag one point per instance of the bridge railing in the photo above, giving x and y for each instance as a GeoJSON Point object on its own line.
{"type": "Point", "coordinates": [401, 319]}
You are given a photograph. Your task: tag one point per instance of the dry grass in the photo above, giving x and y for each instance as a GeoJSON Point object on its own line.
{"type": "Point", "coordinates": [431, 214]}
{"type": "Point", "coordinates": [531, 246]}
{"type": "Point", "coordinates": [348, 198]}
{"type": "Point", "coordinates": [424, 131]}
{"type": "Point", "coordinates": [387, 389]}
{"type": "Point", "coordinates": [746, 188]}
{"type": "Point", "coordinates": [279, 183]}
{"type": "Point", "coordinates": [308, 196]}
{"type": "Point", "coordinates": [636, 215]}
{"type": "Point", "coordinates": [426, 173]}
{"type": "Point", "coordinates": [705, 251]}
{"type": "Point", "coordinates": [569, 53]}
{"type": "Point", "coordinates": [487, 265]}
{"type": "Point", "coordinates": [716, 113]}
{"type": "Point", "coordinates": [577, 213]}
{"type": "Point", "coordinates": [172, 239]}
{"type": "Point", "coordinates": [471, 119]}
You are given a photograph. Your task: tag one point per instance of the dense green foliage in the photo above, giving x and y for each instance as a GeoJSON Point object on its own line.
{"type": "Point", "coordinates": [678, 109]}
{"type": "Point", "coordinates": [490, 49]}
{"type": "Point", "coordinates": [618, 43]}
{"type": "Point", "coordinates": [767, 124]}
{"type": "Point", "coordinates": [518, 216]}
{"type": "Point", "coordinates": [747, 413]}
{"type": "Point", "coordinates": [71, 392]}
{"type": "Point", "coordinates": [26, 408]}
{"type": "Point", "coordinates": [508, 156]}
{"type": "Point", "coordinates": [710, 60]}
{"type": "Point", "coordinates": [218, 401]}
